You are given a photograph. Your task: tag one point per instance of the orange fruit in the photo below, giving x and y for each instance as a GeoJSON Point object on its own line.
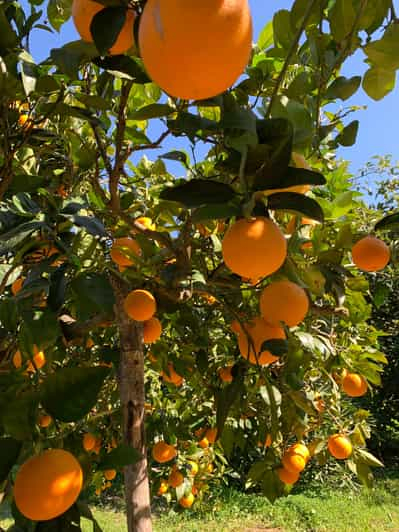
{"type": "Point", "coordinates": [146, 222]}
{"type": "Point", "coordinates": [109, 474]}
{"type": "Point", "coordinates": [339, 446]}
{"type": "Point", "coordinates": [209, 468]}
{"type": "Point", "coordinates": [83, 12]}
{"type": "Point", "coordinates": [39, 360]}
{"type": "Point", "coordinates": [203, 443]}
{"type": "Point", "coordinates": [123, 249]}
{"type": "Point", "coordinates": [259, 331]}
{"type": "Point", "coordinates": [193, 467]}
{"type": "Point", "coordinates": [225, 374]}
{"type": "Point", "coordinates": [97, 445]}
{"type": "Point", "coordinates": [17, 285]}
{"type": "Point", "coordinates": [171, 376]}
{"type": "Point", "coordinates": [44, 421]}
{"type": "Point", "coordinates": [194, 490]}
{"type": "Point", "coordinates": [235, 326]}
{"type": "Point", "coordinates": [175, 479]}
{"type": "Point", "coordinates": [89, 441]}
{"type": "Point", "coordinates": [140, 305]}
{"type": "Point", "coordinates": [283, 302]}
{"type": "Point", "coordinates": [268, 441]}
{"type": "Point", "coordinates": [301, 449]}
{"type": "Point", "coordinates": [293, 462]}
{"type": "Point", "coordinates": [163, 452]}
{"type": "Point", "coordinates": [175, 39]}
{"type": "Point", "coordinates": [254, 248]}
{"type": "Point", "coordinates": [89, 343]}
{"type": "Point", "coordinates": [47, 485]}
{"type": "Point", "coordinates": [211, 435]}
{"type": "Point", "coordinates": [152, 330]}
{"type": "Point", "coordinates": [287, 477]}
{"type": "Point", "coordinates": [354, 385]}
{"type": "Point", "coordinates": [187, 501]}
{"type": "Point", "coordinates": [371, 254]}
{"type": "Point", "coordinates": [163, 487]}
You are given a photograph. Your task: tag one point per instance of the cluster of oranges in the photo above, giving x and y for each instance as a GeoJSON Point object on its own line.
{"type": "Point", "coordinates": [171, 42]}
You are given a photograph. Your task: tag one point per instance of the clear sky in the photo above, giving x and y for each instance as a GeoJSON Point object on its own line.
{"type": "Point", "coordinates": [379, 128]}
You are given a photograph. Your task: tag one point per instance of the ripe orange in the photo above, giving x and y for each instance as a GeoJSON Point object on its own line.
{"type": "Point", "coordinates": [225, 374]}
{"type": "Point", "coordinates": [97, 446]}
{"type": "Point", "coordinates": [354, 385]}
{"type": "Point", "coordinates": [17, 285]}
{"type": "Point", "coordinates": [187, 501]}
{"type": "Point", "coordinates": [146, 222]}
{"type": "Point", "coordinates": [293, 462]}
{"type": "Point", "coordinates": [175, 479]}
{"type": "Point", "coordinates": [123, 249]}
{"type": "Point", "coordinates": [268, 441]}
{"type": "Point", "coordinates": [371, 254]}
{"type": "Point", "coordinates": [301, 449]}
{"type": "Point", "coordinates": [83, 12]}
{"type": "Point", "coordinates": [163, 487]}
{"type": "Point", "coordinates": [44, 421]}
{"type": "Point", "coordinates": [176, 37]}
{"type": "Point", "coordinates": [47, 485]}
{"type": "Point", "coordinates": [171, 376]}
{"type": "Point", "coordinates": [287, 477]}
{"type": "Point", "coordinates": [283, 302]}
{"type": "Point", "coordinates": [259, 331]}
{"type": "Point", "coordinates": [110, 474]}
{"type": "Point", "coordinates": [203, 443]}
{"type": "Point", "coordinates": [163, 452]}
{"type": "Point", "coordinates": [235, 326]}
{"type": "Point", "coordinates": [39, 360]}
{"type": "Point", "coordinates": [211, 435]}
{"type": "Point", "coordinates": [339, 446]}
{"type": "Point", "coordinates": [152, 330]}
{"type": "Point", "coordinates": [140, 305]}
{"type": "Point", "coordinates": [254, 248]}
{"type": "Point", "coordinates": [89, 441]}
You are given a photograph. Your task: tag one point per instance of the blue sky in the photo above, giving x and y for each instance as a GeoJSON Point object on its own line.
{"type": "Point", "coordinates": [379, 127]}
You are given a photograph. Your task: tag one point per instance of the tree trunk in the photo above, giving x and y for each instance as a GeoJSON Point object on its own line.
{"type": "Point", "coordinates": [131, 389]}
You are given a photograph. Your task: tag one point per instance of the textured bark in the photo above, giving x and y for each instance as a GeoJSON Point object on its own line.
{"type": "Point", "coordinates": [131, 388]}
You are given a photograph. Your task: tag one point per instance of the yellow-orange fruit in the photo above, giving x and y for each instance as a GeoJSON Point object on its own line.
{"type": "Point", "coordinates": [293, 462]}
{"type": "Point", "coordinates": [122, 251]}
{"type": "Point", "coordinates": [268, 441]}
{"type": "Point", "coordinates": [175, 479]}
{"type": "Point", "coordinates": [163, 452]}
{"type": "Point", "coordinates": [47, 485]}
{"type": "Point", "coordinates": [283, 302]}
{"type": "Point", "coordinates": [44, 421]}
{"type": "Point", "coordinates": [39, 360]}
{"type": "Point", "coordinates": [171, 376]}
{"type": "Point", "coordinates": [193, 467]}
{"type": "Point", "coordinates": [83, 12]}
{"type": "Point", "coordinates": [97, 446]}
{"type": "Point", "coordinates": [176, 38]}
{"type": "Point", "coordinates": [140, 305]}
{"type": "Point", "coordinates": [339, 446]}
{"type": "Point", "coordinates": [354, 385]}
{"type": "Point", "coordinates": [259, 331]}
{"type": "Point", "coordinates": [163, 487]}
{"type": "Point", "coordinates": [287, 477]}
{"type": "Point", "coordinates": [187, 501]}
{"type": "Point", "coordinates": [152, 330]}
{"type": "Point", "coordinates": [17, 285]}
{"type": "Point", "coordinates": [89, 441]}
{"type": "Point", "coordinates": [211, 435]}
{"type": "Point", "coordinates": [146, 222]}
{"type": "Point", "coordinates": [110, 474]}
{"type": "Point", "coordinates": [225, 374]}
{"type": "Point", "coordinates": [371, 254]}
{"type": "Point", "coordinates": [254, 248]}
{"type": "Point", "coordinates": [203, 443]}
{"type": "Point", "coordinates": [301, 449]}
{"type": "Point", "coordinates": [235, 326]}
{"type": "Point", "coordinates": [209, 468]}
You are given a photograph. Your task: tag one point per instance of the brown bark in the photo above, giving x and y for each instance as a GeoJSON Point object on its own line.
{"type": "Point", "coordinates": [131, 388]}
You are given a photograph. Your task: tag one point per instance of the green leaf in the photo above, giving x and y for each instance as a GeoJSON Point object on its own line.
{"type": "Point", "coordinates": [348, 135]}
{"type": "Point", "coordinates": [342, 17]}
{"type": "Point", "coordinates": [217, 211]}
{"type": "Point", "coordinates": [123, 66]}
{"type": "Point", "coordinates": [10, 240]}
{"type": "Point", "coordinates": [70, 393]}
{"type": "Point", "coordinates": [120, 457]}
{"type": "Point", "coordinates": [343, 88]}
{"type": "Point", "coordinates": [92, 225]}
{"type": "Point", "coordinates": [292, 177]}
{"type": "Point", "coordinates": [72, 56]}
{"type": "Point", "coordinates": [94, 294]}
{"type": "Point", "coordinates": [299, 203]}
{"type": "Point", "coordinates": [154, 110]}
{"type": "Point", "coordinates": [29, 72]}
{"type": "Point", "coordinates": [39, 327]}
{"type": "Point", "coordinates": [179, 156]}
{"type": "Point", "coordinates": [282, 30]}
{"type": "Point", "coordinates": [191, 125]}
{"type": "Point", "coordinates": [364, 474]}
{"type": "Point", "coordinates": [388, 222]}
{"type": "Point", "coordinates": [272, 488]}
{"type": "Point", "coordinates": [368, 458]}
{"type": "Point", "coordinates": [57, 290]}
{"type": "Point", "coordinates": [227, 396]}
{"type": "Point", "coordinates": [199, 192]}
{"type": "Point", "coordinates": [9, 451]}
{"type": "Point", "coordinates": [378, 82]}
{"type": "Point", "coordinates": [384, 52]}
{"type": "Point", "coordinates": [265, 39]}
{"type": "Point", "coordinates": [8, 37]}
{"type": "Point", "coordinates": [275, 347]}
{"type": "Point", "coordinates": [106, 26]}
{"type": "Point", "coordinates": [19, 415]}
{"type": "Point", "coordinates": [58, 12]}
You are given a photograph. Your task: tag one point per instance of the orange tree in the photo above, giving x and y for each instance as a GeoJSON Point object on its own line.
{"type": "Point", "coordinates": [111, 264]}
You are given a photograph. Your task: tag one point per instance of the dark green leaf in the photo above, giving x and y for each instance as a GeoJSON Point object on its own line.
{"type": "Point", "coordinates": [343, 88]}
{"type": "Point", "coordinates": [9, 451]}
{"type": "Point", "coordinates": [92, 225]}
{"type": "Point", "coordinates": [40, 328]}
{"type": "Point", "coordinates": [348, 136]}
{"type": "Point", "coordinates": [227, 396]}
{"type": "Point", "coordinates": [70, 393]}
{"type": "Point", "coordinates": [106, 26]}
{"type": "Point", "coordinates": [378, 82]}
{"type": "Point", "coordinates": [342, 18]}
{"type": "Point", "coordinates": [199, 192]}
{"type": "Point", "coordinates": [20, 414]}
{"type": "Point", "coordinates": [388, 222]}
{"type": "Point", "coordinates": [8, 37]}
{"type": "Point", "coordinates": [154, 110]}
{"type": "Point", "coordinates": [219, 211]}
{"type": "Point", "coordinates": [120, 457]}
{"type": "Point", "coordinates": [282, 29]}
{"type": "Point", "coordinates": [73, 55]}
{"type": "Point", "coordinates": [58, 12]}
{"type": "Point", "coordinates": [94, 294]}
{"type": "Point", "coordinates": [278, 134]}
{"type": "Point", "coordinates": [276, 347]}
{"type": "Point", "coordinates": [272, 488]}
{"type": "Point", "coordinates": [58, 284]}
{"type": "Point", "coordinates": [175, 155]}
{"type": "Point", "coordinates": [123, 66]}
{"type": "Point", "coordinates": [299, 203]}
{"type": "Point", "coordinates": [292, 177]}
